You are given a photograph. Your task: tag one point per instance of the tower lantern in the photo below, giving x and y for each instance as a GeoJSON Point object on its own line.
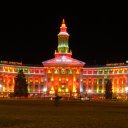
{"type": "Point", "coordinates": [63, 37]}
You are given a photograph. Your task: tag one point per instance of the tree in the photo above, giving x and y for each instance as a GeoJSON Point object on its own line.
{"type": "Point", "coordinates": [108, 90]}
{"type": "Point", "coordinates": [21, 86]}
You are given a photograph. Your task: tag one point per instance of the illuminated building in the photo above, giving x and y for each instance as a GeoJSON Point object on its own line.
{"type": "Point", "coordinates": [64, 75]}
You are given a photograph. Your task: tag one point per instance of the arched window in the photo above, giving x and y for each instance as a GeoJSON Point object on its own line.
{"type": "Point", "coordinates": [62, 71]}
{"type": "Point", "coordinates": [56, 71]}
{"type": "Point", "coordinates": [36, 88]}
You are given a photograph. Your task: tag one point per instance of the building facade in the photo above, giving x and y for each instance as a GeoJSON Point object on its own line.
{"type": "Point", "coordinates": [65, 76]}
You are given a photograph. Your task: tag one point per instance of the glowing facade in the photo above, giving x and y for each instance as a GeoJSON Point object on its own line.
{"type": "Point", "coordinates": [64, 75]}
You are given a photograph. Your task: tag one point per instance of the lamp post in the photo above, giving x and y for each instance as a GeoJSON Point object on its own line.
{"type": "Point", "coordinates": [0, 87]}
{"type": "Point", "coordinates": [44, 91]}
{"type": "Point", "coordinates": [126, 93]}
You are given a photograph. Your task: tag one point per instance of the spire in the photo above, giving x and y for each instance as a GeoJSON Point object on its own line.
{"type": "Point", "coordinates": [63, 21]}
{"type": "Point", "coordinates": [63, 24]}
{"type": "Point", "coordinates": [63, 37]}
{"type": "Point", "coordinates": [63, 27]}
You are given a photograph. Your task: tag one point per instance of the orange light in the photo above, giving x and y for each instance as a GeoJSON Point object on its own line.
{"type": "Point", "coordinates": [49, 71]}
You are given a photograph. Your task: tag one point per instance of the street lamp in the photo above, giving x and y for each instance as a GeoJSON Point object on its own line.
{"type": "Point", "coordinates": [44, 91]}
{"type": "Point", "coordinates": [126, 92]}
{"type": "Point", "coordinates": [0, 88]}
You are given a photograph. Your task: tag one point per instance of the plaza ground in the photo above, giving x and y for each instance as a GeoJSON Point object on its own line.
{"type": "Point", "coordinates": [40, 113]}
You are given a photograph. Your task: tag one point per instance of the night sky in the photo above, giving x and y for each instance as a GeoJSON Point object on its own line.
{"type": "Point", "coordinates": [95, 38]}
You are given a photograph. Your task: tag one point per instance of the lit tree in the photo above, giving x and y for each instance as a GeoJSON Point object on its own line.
{"type": "Point", "coordinates": [108, 90]}
{"type": "Point", "coordinates": [21, 85]}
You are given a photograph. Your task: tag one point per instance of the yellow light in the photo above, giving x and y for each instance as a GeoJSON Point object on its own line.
{"type": "Point", "coordinates": [89, 91]}
{"type": "Point", "coordinates": [42, 79]}
{"type": "Point", "coordinates": [59, 90]}
{"type": "Point", "coordinates": [77, 72]}
{"type": "Point", "coordinates": [3, 88]}
{"type": "Point", "coordinates": [126, 88]}
{"type": "Point", "coordinates": [67, 90]}
{"type": "Point", "coordinates": [44, 89]}
{"type": "Point", "coordinates": [63, 25]}
{"type": "Point", "coordinates": [74, 89]}
{"type": "Point", "coordinates": [51, 92]}
{"type": "Point", "coordinates": [13, 80]}
{"type": "Point", "coordinates": [52, 89]}
{"type": "Point", "coordinates": [97, 90]}
{"type": "Point", "coordinates": [52, 79]}
{"type": "Point", "coordinates": [49, 71]}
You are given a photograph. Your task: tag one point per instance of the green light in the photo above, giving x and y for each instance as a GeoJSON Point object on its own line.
{"type": "Point", "coordinates": [70, 71]}
{"type": "Point", "coordinates": [56, 71]}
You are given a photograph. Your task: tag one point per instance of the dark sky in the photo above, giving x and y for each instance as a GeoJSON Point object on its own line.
{"type": "Point", "coordinates": [95, 38]}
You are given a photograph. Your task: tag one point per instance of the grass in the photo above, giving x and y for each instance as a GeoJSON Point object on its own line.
{"type": "Point", "coordinates": [67, 114]}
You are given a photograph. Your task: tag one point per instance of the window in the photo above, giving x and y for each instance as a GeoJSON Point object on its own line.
{"type": "Point", "coordinates": [95, 81]}
{"type": "Point", "coordinates": [62, 71]}
{"type": "Point", "coordinates": [100, 81]}
{"type": "Point", "coordinates": [100, 88]}
{"type": "Point", "coordinates": [56, 71]}
{"type": "Point", "coordinates": [41, 88]}
{"type": "Point", "coordinates": [70, 71]}
{"type": "Point", "coordinates": [36, 88]}
{"type": "Point", "coordinates": [89, 72]}
{"type": "Point", "coordinates": [31, 88]}
{"type": "Point", "coordinates": [95, 88]}
{"type": "Point", "coordinates": [105, 81]}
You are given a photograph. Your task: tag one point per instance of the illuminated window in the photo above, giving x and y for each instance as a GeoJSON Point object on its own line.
{"type": "Point", "coordinates": [41, 71]}
{"type": "Point", "coordinates": [36, 88]}
{"type": "Point", "coordinates": [100, 81]}
{"type": "Point", "coordinates": [49, 71]}
{"type": "Point", "coordinates": [105, 81]}
{"type": "Point", "coordinates": [56, 71]}
{"type": "Point", "coordinates": [62, 71]}
{"type": "Point", "coordinates": [100, 72]}
{"type": "Point", "coordinates": [89, 72]}
{"type": "Point", "coordinates": [100, 88]}
{"type": "Point", "coordinates": [120, 71]}
{"type": "Point", "coordinates": [94, 72]}
{"type": "Point", "coordinates": [70, 71]}
{"type": "Point", "coordinates": [95, 81]}
{"type": "Point", "coordinates": [77, 72]}
{"type": "Point", "coordinates": [31, 88]}
{"type": "Point", "coordinates": [95, 88]}
{"type": "Point", "coordinates": [89, 81]}
{"type": "Point", "coordinates": [36, 71]}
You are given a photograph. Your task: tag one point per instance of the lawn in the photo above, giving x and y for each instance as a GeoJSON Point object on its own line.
{"type": "Point", "coordinates": [67, 114]}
